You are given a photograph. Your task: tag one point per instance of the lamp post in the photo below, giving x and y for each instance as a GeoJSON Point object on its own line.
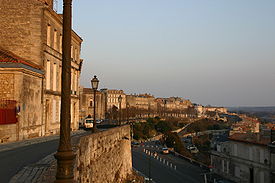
{"type": "Point", "coordinates": [119, 100]}
{"type": "Point", "coordinates": [127, 112]}
{"type": "Point", "coordinates": [65, 156]}
{"type": "Point", "coordinates": [94, 83]}
{"type": "Point", "coordinates": [149, 173]}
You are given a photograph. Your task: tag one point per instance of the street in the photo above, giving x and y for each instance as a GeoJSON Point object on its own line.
{"type": "Point", "coordinates": [165, 168]}
{"type": "Point", "coordinates": [14, 159]}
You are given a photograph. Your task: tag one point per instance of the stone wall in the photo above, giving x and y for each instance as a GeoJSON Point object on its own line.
{"type": "Point", "coordinates": [104, 157]}
{"type": "Point", "coordinates": [30, 102]}
{"type": "Point", "coordinates": [21, 28]}
{"type": "Point", "coordinates": [25, 89]}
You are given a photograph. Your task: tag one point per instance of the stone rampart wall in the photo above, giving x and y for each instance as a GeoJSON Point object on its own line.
{"type": "Point", "coordinates": [104, 157]}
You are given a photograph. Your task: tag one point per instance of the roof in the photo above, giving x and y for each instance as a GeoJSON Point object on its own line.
{"type": "Point", "coordinates": [254, 138]}
{"type": "Point", "coordinates": [9, 57]}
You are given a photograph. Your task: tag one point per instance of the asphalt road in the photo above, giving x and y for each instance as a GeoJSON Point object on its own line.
{"type": "Point", "coordinates": [12, 161]}
{"type": "Point", "coordinates": [19, 156]}
{"type": "Point", "coordinates": [175, 171]}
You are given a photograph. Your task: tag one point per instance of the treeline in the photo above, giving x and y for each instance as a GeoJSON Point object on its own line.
{"type": "Point", "coordinates": [206, 124]}
{"type": "Point", "coordinates": [153, 127]}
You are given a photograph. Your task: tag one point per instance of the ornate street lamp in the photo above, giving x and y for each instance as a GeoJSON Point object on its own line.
{"type": "Point", "coordinates": [127, 112]}
{"type": "Point", "coordinates": [119, 100]}
{"type": "Point", "coordinates": [65, 156]}
{"type": "Point", "coordinates": [94, 83]}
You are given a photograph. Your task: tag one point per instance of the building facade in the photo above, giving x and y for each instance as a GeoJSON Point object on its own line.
{"type": "Point", "coordinates": [32, 30]}
{"type": "Point", "coordinates": [244, 158]}
{"type": "Point", "coordinates": [111, 98]}
{"type": "Point", "coordinates": [20, 98]}
{"type": "Point", "coordinates": [52, 55]}
{"type": "Point", "coordinates": [87, 104]}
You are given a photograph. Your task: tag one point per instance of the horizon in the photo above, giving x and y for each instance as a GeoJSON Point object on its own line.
{"type": "Point", "coordinates": [211, 52]}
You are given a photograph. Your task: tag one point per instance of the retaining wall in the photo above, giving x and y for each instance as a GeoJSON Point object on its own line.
{"type": "Point", "coordinates": [104, 157]}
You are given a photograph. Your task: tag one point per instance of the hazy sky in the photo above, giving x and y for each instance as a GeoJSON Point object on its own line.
{"type": "Point", "coordinates": [218, 52]}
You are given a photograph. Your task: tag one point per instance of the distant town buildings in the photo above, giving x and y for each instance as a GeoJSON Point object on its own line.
{"type": "Point", "coordinates": [247, 125]}
{"type": "Point", "coordinates": [207, 111]}
{"type": "Point", "coordinates": [133, 105]}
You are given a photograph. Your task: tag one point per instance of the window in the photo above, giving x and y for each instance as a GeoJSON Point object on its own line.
{"type": "Point", "coordinates": [72, 51]}
{"type": "Point", "coordinates": [55, 39]}
{"type": "Point", "coordinates": [237, 171]}
{"type": "Point", "coordinates": [250, 153]}
{"type": "Point", "coordinates": [49, 35]}
{"type": "Point", "coordinates": [76, 81]}
{"type": "Point", "coordinates": [54, 77]}
{"type": "Point", "coordinates": [227, 167]}
{"type": "Point", "coordinates": [59, 110]}
{"type": "Point", "coordinates": [262, 156]}
{"type": "Point", "coordinates": [91, 103]}
{"type": "Point", "coordinates": [72, 79]}
{"type": "Point", "coordinates": [262, 175]}
{"type": "Point", "coordinates": [60, 77]}
{"type": "Point", "coordinates": [60, 43]}
{"type": "Point", "coordinates": [223, 166]}
{"type": "Point", "coordinates": [54, 111]}
{"type": "Point", "coordinates": [235, 150]}
{"type": "Point", "coordinates": [48, 75]}
{"type": "Point", "coordinates": [75, 53]}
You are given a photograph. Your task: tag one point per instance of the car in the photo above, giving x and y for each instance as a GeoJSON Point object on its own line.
{"type": "Point", "coordinates": [165, 150]}
{"type": "Point", "coordinates": [193, 149]}
{"type": "Point", "coordinates": [135, 144]}
{"type": "Point", "coordinates": [146, 179]}
{"type": "Point", "coordinates": [88, 123]}
{"type": "Point", "coordinates": [98, 121]}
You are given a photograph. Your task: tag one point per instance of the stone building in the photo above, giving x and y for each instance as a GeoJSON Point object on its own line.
{"type": "Point", "coordinates": [52, 56]}
{"type": "Point", "coordinates": [111, 98]}
{"type": "Point", "coordinates": [32, 30]}
{"type": "Point", "coordinates": [173, 103]}
{"type": "Point", "coordinates": [244, 158]}
{"type": "Point", "coordinates": [20, 98]}
{"type": "Point", "coordinates": [114, 110]}
{"type": "Point", "coordinates": [141, 101]}
{"type": "Point", "coordinates": [87, 104]}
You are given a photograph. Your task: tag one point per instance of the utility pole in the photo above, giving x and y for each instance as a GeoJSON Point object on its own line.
{"type": "Point", "coordinates": [65, 156]}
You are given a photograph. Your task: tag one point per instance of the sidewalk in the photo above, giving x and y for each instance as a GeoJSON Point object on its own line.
{"type": "Point", "coordinates": [41, 172]}
{"type": "Point", "coordinates": [13, 145]}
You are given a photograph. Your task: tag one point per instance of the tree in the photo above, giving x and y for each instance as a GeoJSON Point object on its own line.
{"type": "Point", "coordinates": [163, 127]}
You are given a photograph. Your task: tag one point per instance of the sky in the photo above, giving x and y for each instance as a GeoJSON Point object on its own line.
{"type": "Point", "coordinates": [213, 52]}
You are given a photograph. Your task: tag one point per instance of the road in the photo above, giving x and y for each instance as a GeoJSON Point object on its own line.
{"type": "Point", "coordinates": [165, 168]}
{"type": "Point", "coordinates": [13, 160]}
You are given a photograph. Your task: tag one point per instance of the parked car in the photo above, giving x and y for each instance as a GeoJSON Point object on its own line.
{"type": "Point", "coordinates": [193, 149]}
{"type": "Point", "coordinates": [88, 123]}
{"type": "Point", "coordinates": [134, 144]}
{"type": "Point", "coordinates": [98, 121]}
{"type": "Point", "coordinates": [165, 150]}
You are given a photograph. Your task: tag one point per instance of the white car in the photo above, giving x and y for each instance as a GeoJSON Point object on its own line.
{"type": "Point", "coordinates": [88, 123]}
{"type": "Point", "coordinates": [193, 149]}
{"type": "Point", "coordinates": [165, 150]}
